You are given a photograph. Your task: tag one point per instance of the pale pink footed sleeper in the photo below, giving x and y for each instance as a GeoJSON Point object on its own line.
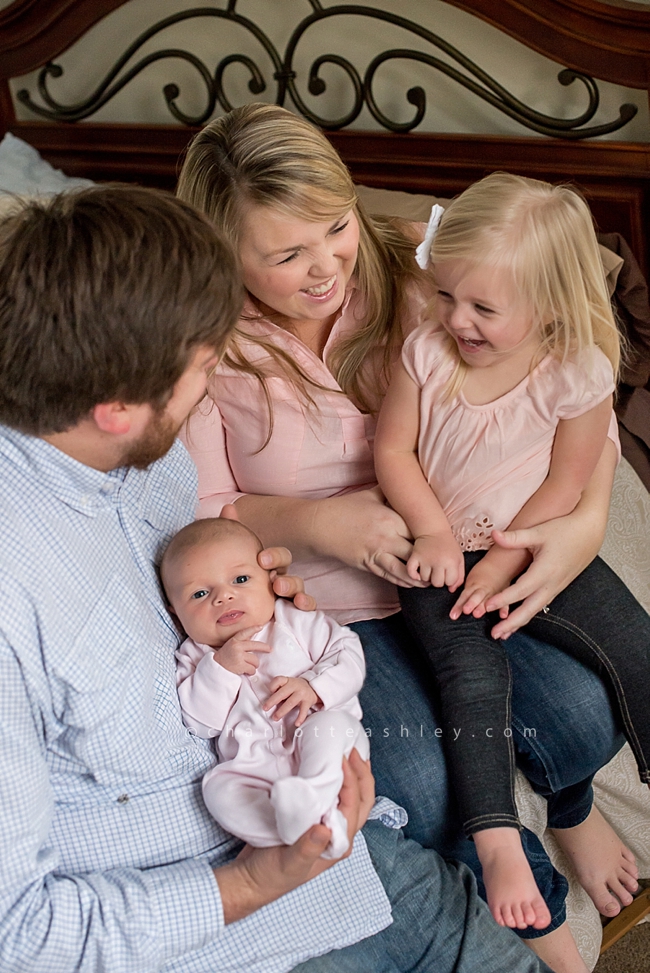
{"type": "Point", "coordinates": [274, 781]}
{"type": "Point", "coordinates": [483, 462]}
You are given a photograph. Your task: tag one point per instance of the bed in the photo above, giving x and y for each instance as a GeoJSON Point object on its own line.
{"type": "Point", "coordinates": [586, 38]}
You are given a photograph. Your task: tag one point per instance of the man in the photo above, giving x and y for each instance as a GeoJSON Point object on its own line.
{"type": "Point", "coordinates": [114, 305]}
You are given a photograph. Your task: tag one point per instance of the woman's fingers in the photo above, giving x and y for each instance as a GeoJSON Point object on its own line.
{"type": "Point", "coordinates": [274, 558]}
{"type": "Point", "coordinates": [387, 566]}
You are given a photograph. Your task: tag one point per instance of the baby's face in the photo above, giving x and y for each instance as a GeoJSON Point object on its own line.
{"type": "Point", "coordinates": [217, 589]}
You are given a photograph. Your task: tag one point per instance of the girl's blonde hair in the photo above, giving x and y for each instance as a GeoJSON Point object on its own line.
{"type": "Point", "coordinates": [263, 155]}
{"type": "Point", "coordinates": [544, 237]}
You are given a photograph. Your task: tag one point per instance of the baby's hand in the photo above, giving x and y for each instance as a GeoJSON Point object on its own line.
{"type": "Point", "coordinates": [239, 654]}
{"type": "Point", "coordinates": [291, 692]}
{"type": "Point", "coordinates": [437, 559]}
{"type": "Point", "coordinates": [484, 580]}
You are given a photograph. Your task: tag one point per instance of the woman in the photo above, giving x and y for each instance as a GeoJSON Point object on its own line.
{"type": "Point", "coordinates": [287, 436]}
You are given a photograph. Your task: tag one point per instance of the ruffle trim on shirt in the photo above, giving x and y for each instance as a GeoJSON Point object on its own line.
{"type": "Point", "coordinates": [474, 534]}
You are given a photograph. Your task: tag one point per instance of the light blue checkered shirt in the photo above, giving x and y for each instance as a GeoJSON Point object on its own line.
{"type": "Point", "coordinates": [105, 845]}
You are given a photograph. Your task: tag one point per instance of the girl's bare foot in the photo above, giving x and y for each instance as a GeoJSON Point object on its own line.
{"type": "Point", "coordinates": [559, 951]}
{"type": "Point", "coordinates": [601, 861]}
{"type": "Point", "coordinates": [512, 893]}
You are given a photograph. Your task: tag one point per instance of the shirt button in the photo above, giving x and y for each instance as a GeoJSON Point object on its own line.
{"type": "Point", "coordinates": [123, 799]}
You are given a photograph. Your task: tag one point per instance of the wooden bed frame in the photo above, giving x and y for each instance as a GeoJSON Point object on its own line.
{"type": "Point", "coordinates": [608, 42]}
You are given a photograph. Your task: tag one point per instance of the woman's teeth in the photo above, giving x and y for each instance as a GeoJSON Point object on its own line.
{"type": "Point", "coordinates": [321, 289]}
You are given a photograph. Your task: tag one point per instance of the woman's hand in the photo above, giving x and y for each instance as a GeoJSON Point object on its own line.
{"type": "Point", "coordinates": [360, 530]}
{"type": "Point", "coordinates": [560, 549]}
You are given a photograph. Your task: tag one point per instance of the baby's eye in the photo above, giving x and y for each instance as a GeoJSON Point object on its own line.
{"type": "Point", "coordinates": [483, 309]}
{"type": "Point", "coordinates": [201, 593]}
{"type": "Point", "coordinates": [242, 578]}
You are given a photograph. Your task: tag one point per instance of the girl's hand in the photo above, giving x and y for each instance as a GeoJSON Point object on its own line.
{"type": "Point", "coordinates": [560, 549]}
{"type": "Point", "coordinates": [489, 576]}
{"type": "Point", "coordinates": [287, 693]}
{"type": "Point", "coordinates": [437, 560]}
{"type": "Point", "coordinates": [360, 530]}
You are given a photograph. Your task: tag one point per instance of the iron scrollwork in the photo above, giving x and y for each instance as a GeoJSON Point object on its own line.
{"type": "Point", "coordinates": [462, 70]}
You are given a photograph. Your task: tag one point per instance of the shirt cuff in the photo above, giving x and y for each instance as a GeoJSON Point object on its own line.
{"type": "Point", "coordinates": [389, 813]}
{"type": "Point", "coordinates": [185, 905]}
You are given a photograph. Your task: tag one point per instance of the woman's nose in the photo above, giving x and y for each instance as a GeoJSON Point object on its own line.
{"type": "Point", "coordinates": [325, 263]}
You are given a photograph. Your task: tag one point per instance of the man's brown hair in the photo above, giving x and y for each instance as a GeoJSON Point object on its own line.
{"type": "Point", "coordinates": [105, 295]}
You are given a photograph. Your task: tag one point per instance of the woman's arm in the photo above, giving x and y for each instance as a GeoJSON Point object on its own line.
{"type": "Point", "coordinates": [561, 549]}
{"type": "Point", "coordinates": [357, 528]}
{"type": "Point", "coordinates": [577, 448]}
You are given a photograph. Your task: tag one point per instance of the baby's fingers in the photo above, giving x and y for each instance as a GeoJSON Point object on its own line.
{"type": "Point", "coordinates": [289, 703]}
{"type": "Point", "coordinates": [276, 698]}
{"type": "Point", "coordinates": [304, 712]}
{"type": "Point", "coordinates": [278, 683]}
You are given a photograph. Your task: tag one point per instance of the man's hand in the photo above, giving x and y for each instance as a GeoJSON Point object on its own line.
{"type": "Point", "coordinates": [261, 875]}
{"type": "Point", "coordinates": [277, 560]}
{"type": "Point", "coordinates": [287, 693]}
{"type": "Point", "coordinates": [239, 653]}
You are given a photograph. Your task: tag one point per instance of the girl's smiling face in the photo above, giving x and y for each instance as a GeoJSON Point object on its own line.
{"type": "Point", "coordinates": [294, 267]}
{"type": "Point", "coordinates": [478, 306]}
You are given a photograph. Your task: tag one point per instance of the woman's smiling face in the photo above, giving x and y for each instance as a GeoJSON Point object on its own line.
{"type": "Point", "coordinates": [294, 267]}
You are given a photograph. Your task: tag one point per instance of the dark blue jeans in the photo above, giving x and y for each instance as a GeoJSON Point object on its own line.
{"type": "Point", "coordinates": [566, 705]}
{"type": "Point", "coordinates": [595, 619]}
{"type": "Point", "coordinates": [439, 924]}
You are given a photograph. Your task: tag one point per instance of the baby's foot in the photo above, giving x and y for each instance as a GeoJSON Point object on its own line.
{"type": "Point", "coordinates": [601, 861]}
{"type": "Point", "coordinates": [512, 893]}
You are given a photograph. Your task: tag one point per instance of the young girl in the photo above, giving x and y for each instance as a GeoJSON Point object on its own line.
{"type": "Point", "coordinates": [495, 419]}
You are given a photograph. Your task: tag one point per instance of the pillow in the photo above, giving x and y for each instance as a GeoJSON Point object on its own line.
{"type": "Point", "coordinates": [24, 172]}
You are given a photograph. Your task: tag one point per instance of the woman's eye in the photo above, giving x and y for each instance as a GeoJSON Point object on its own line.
{"type": "Point", "coordinates": [444, 296]}
{"type": "Point", "coordinates": [292, 256]}
{"type": "Point", "coordinates": [241, 579]}
{"type": "Point", "coordinates": [201, 593]}
{"type": "Point", "coordinates": [339, 229]}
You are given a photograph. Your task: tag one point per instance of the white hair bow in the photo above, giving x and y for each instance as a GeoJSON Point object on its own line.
{"type": "Point", "coordinates": [423, 252]}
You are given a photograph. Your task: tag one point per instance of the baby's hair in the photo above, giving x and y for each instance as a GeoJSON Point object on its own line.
{"type": "Point", "coordinates": [203, 532]}
{"type": "Point", "coordinates": [544, 237]}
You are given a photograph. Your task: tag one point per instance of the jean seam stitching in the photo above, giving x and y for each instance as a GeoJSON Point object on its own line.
{"type": "Point", "coordinates": [551, 619]}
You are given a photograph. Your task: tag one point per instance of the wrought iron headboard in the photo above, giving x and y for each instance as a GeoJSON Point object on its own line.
{"type": "Point", "coordinates": [461, 69]}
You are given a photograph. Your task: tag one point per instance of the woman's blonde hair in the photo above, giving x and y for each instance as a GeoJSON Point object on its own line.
{"type": "Point", "coordinates": [263, 155]}
{"type": "Point", "coordinates": [544, 237]}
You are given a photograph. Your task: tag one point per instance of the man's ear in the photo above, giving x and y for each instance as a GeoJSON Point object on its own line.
{"type": "Point", "coordinates": [113, 417]}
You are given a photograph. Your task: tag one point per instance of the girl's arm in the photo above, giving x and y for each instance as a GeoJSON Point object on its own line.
{"type": "Point", "coordinates": [436, 556]}
{"type": "Point", "coordinates": [577, 449]}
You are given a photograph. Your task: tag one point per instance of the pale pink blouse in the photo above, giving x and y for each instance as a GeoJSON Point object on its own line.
{"type": "Point", "coordinates": [312, 454]}
{"type": "Point", "coordinates": [483, 462]}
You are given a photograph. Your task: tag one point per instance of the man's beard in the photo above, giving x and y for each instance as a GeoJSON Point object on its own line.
{"type": "Point", "coordinates": [156, 440]}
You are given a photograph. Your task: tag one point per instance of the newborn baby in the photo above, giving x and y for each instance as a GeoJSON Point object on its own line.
{"type": "Point", "coordinates": [276, 685]}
